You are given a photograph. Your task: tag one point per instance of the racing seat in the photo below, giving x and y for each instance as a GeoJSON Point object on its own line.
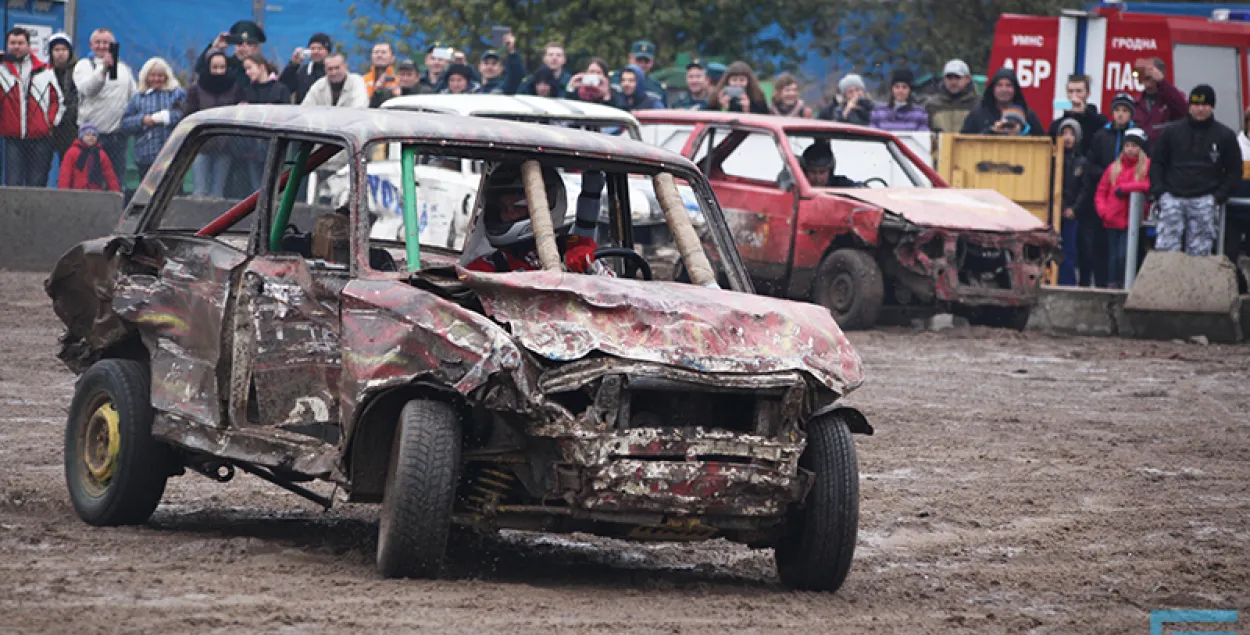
{"type": "Point", "coordinates": [331, 238]}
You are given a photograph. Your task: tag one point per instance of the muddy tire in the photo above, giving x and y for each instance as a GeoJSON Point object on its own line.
{"type": "Point", "coordinates": [415, 521]}
{"type": "Point", "coordinates": [114, 469]}
{"type": "Point", "coordinates": [816, 551]}
{"type": "Point", "coordinates": [849, 283]}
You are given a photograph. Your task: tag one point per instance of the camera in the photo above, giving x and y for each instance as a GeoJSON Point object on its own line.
{"type": "Point", "coordinates": [441, 53]}
{"type": "Point", "coordinates": [591, 80]}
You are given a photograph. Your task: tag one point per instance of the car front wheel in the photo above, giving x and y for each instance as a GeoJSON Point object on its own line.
{"type": "Point", "coordinates": [816, 550]}
{"type": "Point", "coordinates": [114, 469]}
{"type": "Point", "coordinates": [849, 283]}
{"type": "Point", "coordinates": [415, 522]}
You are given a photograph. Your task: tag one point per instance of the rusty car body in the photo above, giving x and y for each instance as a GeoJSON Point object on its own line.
{"type": "Point", "coordinates": [566, 402]}
{"type": "Point", "coordinates": [913, 244]}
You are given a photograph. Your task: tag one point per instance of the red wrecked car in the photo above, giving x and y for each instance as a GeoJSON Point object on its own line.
{"type": "Point", "coordinates": [882, 229]}
{"type": "Point", "coordinates": [259, 334]}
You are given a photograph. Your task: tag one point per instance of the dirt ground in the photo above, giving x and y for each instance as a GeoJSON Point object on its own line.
{"type": "Point", "coordinates": [1016, 483]}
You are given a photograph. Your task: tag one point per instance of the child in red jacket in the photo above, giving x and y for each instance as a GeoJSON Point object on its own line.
{"type": "Point", "coordinates": [86, 166]}
{"type": "Point", "coordinates": [1130, 173]}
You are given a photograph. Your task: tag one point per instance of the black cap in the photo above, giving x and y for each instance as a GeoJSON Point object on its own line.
{"type": "Point", "coordinates": [1202, 95]}
{"type": "Point", "coordinates": [405, 64]}
{"type": "Point", "coordinates": [322, 39]}
{"type": "Point", "coordinates": [247, 31]}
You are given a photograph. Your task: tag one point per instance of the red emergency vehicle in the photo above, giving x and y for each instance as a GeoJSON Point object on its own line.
{"type": "Point", "coordinates": [1105, 42]}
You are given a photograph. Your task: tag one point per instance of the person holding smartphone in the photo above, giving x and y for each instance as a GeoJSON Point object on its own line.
{"type": "Point", "coordinates": [307, 65]}
{"type": "Point", "coordinates": [1002, 94]}
{"type": "Point", "coordinates": [105, 85]}
{"type": "Point", "coordinates": [739, 91]}
{"type": "Point", "coordinates": [855, 106]}
{"type": "Point", "coordinates": [246, 37]}
{"type": "Point", "coordinates": [381, 73]}
{"type": "Point", "coordinates": [1077, 108]}
{"type": "Point", "coordinates": [592, 85]}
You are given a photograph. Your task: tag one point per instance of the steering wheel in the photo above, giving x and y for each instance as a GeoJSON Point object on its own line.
{"type": "Point", "coordinates": [877, 179]}
{"type": "Point", "coordinates": [634, 262]}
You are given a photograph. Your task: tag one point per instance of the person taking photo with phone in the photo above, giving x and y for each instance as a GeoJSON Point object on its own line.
{"type": "Point", "coordinates": [591, 85]}
{"type": "Point", "coordinates": [31, 106]}
{"type": "Point", "coordinates": [739, 91]}
{"type": "Point", "coordinates": [307, 65]}
{"type": "Point", "coordinates": [1003, 93]}
{"type": "Point", "coordinates": [105, 85]}
{"type": "Point", "coordinates": [1160, 102]}
{"type": "Point", "coordinates": [246, 37]}
{"type": "Point", "coordinates": [381, 73]}
{"type": "Point", "coordinates": [855, 106]}
{"type": "Point", "coordinates": [1077, 108]}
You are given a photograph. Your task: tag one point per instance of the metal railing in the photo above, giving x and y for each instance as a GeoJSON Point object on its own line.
{"type": "Point", "coordinates": [1136, 218]}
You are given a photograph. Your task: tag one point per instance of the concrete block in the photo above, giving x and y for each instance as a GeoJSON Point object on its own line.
{"type": "Point", "coordinates": [1180, 296]}
{"type": "Point", "coordinates": [1079, 311]}
{"type": "Point", "coordinates": [39, 225]}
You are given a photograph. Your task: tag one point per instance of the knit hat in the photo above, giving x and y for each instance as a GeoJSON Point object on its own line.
{"type": "Point", "coordinates": [1069, 123]}
{"type": "Point", "coordinates": [1017, 113]}
{"type": "Point", "coordinates": [902, 76]}
{"type": "Point", "coordinates": [462, 70]}
{"type": "Point", "coordinates": [1136, 135]}
{"type": "Point", "coordinates": [1203, 95]}
{"type": "Point", "coordinates": [60, 38]}
{"type": "Point", "coordinates": [1123, 99]}
{"type": "Point", "coordinates": [851, 80]}
{"type": "Point", "coordinates": [88, 129]}
{"type": "Point", "coordinates": [322, 39]}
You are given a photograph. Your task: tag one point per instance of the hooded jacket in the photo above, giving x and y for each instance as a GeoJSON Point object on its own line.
{"type": "Point", "coordinates": [947, 112]}
{"type": "Point", "coordinates": [982, 118]}
{"type": "Point", "coordinates": [1195, 158]}
{"type": "Point", "coordinates": [1091, 122]}
{"type": "Point", "coordinates": [101, 100]}
{"type": "Point", "coordinates": [66, 132]}
{"type": "Point", "coordinates": [642, 99]}
{"type": "Point", "coordinates": [1111, 199]}
{"type": "Point", "coordinates": [31, 101]}
{"type": "Point", "coordinates": [1104, 149]}
{"type": "Point", "coordinates": [86, 168]}
{"type": "Point", "coordinates": [300, 77]}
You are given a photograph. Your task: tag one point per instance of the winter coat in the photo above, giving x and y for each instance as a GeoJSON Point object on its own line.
{"type": "Point", "coordinates": [102, 101]}
{"type": "Point", "coordinates": [558, 85]}
{"type": "Point", "coordinates": [299, 78]}
{"type": "Point", "coordinates": [1074, 167]}
{"type": "Point", "coordinates": [1091, 122]}
{"type": "Point", "coordinates": [66, 132]}
{"type": "Point", "coordinates": [1104, 149]}
{"type": "Point", "coordinates": [148, 141]}
{"type": "Point", "coordinates": [982, 118]}
{"type": "Point", "coordinates": [1170, 105]}
{"type": "Point", "coordinates": [31, 101]}
{"type": "Point", "coordinates": [509, 82]}
{"type": "Point", "coordinates": [861, 114]}
{"type": "Point", "coordinates": [654, 88]}
{"type": "Point", "coordinates": [757, 107]}
{"type": "Point", "coordinates": [200, 98]}
{"type": "Point", "coordinates": [1112, 199]}
{"type": "Point", "coordinates": [271, 92]}
{"type": "Point", "coordinates": [381, 96]}
{"type": "Point", "coordinates": [234, 66]}
{"type": "Point", "coordinates": [947, 112]}
{"type": "Point", "coordinates": [905, 117]}
{"type": "Point", "coordinates": [1195, 158]}
{"type": "Point", "coordinates": [85, 168]}
{"type": "Point", "coordinates": [354, 94]}
{"type": "Point", "coordinates": [373, 79]}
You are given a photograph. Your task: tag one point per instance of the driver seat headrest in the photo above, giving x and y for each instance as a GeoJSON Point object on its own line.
{"type": "Point", "coordinates": [331, 238]}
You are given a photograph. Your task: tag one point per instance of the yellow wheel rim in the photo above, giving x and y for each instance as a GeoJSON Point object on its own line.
{"type": "Point", "coordinates": [103, 442]}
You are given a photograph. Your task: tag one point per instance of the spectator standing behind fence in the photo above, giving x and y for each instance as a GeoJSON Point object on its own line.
{"type": "Point", "coordinates": [698, 88]}
{"type": "Point", "coordinates": [901, 113]}
{"type": "Point", "coordinates": [307, 65]}
{"type": "Point", "coordinates": [1195, 165]}
{"type": "Point", "coordinates": [852, 104]}
{"type": "Point", "coordinates": [1081, 111]}
{"type": "Point", "coordinates": [213, 90]}
{"type": "Point", "coordinates": [460, 81]}
{"type": "Point", "coordinates": [1003, 93]}
{"type": "Point", "coordinates": [502, 76]}
{"type": "Point", "coordinates": [103, 96]}
{"type": "Point", "coordinates": [338, 87]}
{"type": "Point", "coordinates": [246, 37]}
{"type": "Point", "coordinates": [152, 113]}
{"type": "Point", "coordinates": [437, 58]}
{"type": "Point", "coordinates": [786, 101]}
{"type": "Point", "coordinates": [86, 166]}
{"type": "Point", "coordinates": [592, 85]}
{"type": "Point", "coordinates": [642, 55]}
{"type": "Point", "coordinates": [739, 91]}
{"type": "Point", "coordinates": [381, 73]}
{"type": "Point", "coordinates": [31, 105]}
{"type": "Point", "coordinates": [409, 84]}
{"type": "Point", "coordinates": [956, 97]}
{"type": "Point", "coordinates": [262, 88]}
{"type": "Point", "coordinates": [1104, 149]}
{"type": "Point", "coordinates": [1069, 131]}
{"type": "Point", "coordinates": [1237, 219]}
{"type": "Point", "coordinates": [1160, 103]}
{"type": "Point", "coordinates": [61, 59]}
{"type": "Point", "coordinates": [1128, 174]}
{"type": "Point", "coordinates": [556, 76]}
{"type": "Point", "coordinates": [633, 95]}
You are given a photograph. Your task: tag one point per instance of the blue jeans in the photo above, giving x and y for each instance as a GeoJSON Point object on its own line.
{"type": "Point", "coordinates": [1067, 268]}
{"type": "Point", "coordinates": [210, 172]}
{"type": "Point", "coordinates": [27, 162]}
{"type": "Point", "coordinates": [1117, 255]}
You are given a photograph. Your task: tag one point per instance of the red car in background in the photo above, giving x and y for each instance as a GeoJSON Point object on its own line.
{"type": "Point", "coordinates": [900, 238]}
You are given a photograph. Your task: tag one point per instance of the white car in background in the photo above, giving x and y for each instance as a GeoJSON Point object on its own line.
{"type": "Point", "coordinates": [447, 188]}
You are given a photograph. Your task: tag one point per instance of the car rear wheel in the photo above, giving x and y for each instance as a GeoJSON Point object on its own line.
{"type": "Point", "coordinates": [849, 283]}
{"type": "Point", "coordinates": [114, 469]}
{"type": "Point", "coordinates": [816, 550]}
{"type": "Point", "coordinates": [415, 522]}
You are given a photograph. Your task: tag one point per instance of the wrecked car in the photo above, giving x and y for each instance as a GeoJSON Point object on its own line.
{"type": "Point", "coordinates": [592, 392]}
{"type": "Point", "coordinates": [882, 232]}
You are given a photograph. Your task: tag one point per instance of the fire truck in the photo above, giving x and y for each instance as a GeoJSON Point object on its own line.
{"type": "Point", "coordinates": [1105, 42]}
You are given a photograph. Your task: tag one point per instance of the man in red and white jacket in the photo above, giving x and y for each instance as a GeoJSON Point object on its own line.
{"type": "Point", "coordinates": [31, 105]}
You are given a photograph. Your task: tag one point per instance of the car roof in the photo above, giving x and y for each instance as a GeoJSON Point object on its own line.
{"type": "Point", "coordinates": [771, 122]}
{"type": "Point", "coordinates": [363, 126]}
{"type": "Point", "coordinates": [479, 105]}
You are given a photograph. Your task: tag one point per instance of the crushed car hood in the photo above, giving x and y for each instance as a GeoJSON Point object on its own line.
{"type": "Point", "coordinates": [978, 210]}
{"type": "Point", "coordinates": [564, 317]}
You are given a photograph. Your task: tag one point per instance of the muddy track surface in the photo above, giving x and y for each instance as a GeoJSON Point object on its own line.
{"type": "Point", "coordinates": [1016, 483]}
